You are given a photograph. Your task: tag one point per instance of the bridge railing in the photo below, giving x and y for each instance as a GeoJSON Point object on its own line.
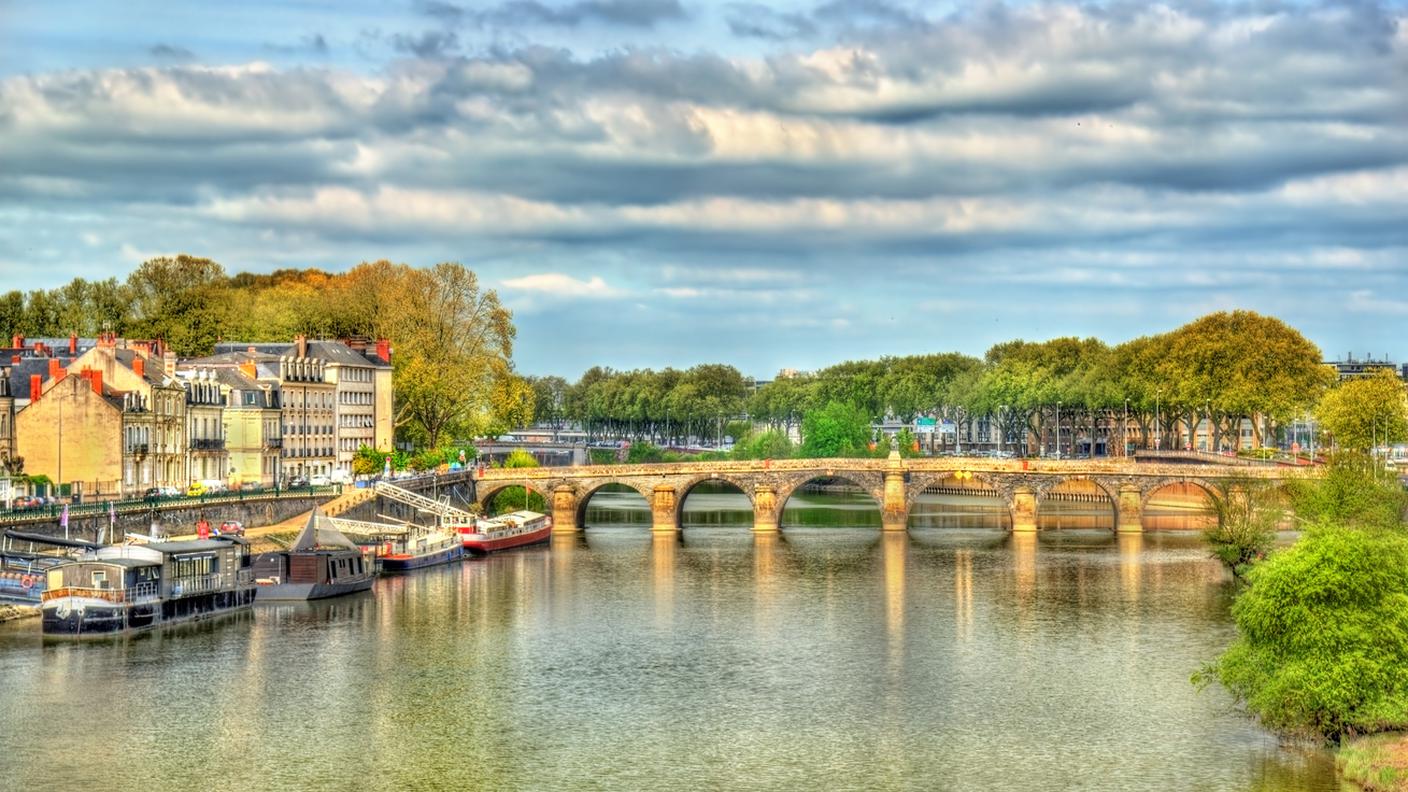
{"type": "Point", "coordinates": [913, 465]}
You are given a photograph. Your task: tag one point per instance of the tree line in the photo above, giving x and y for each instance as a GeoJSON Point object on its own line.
{"type": "Point", "coordinates": [1224, 367]}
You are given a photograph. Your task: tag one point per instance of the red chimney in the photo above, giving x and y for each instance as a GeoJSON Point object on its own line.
{"type": "Point", "coordinates": [139, 366]}
{"type": "Point", "coordinates": [251, 349]}
{"type": "Point", "coordinates": [96, 380]}
{"type": "Point", "coordinates": [15, 358]}
{"type": "Point", "coordinates": [56, 371]}
{"type": "Point", "coordinates": [17, 341]}
{"type": "Point", "coordinates": [383, 349]}
{"type": "Point", "coordinates": [300, 342]}
{"type": "Point", "coordinates": [36, 387]}
{"type": "Point", "coordinates": [73, 345]}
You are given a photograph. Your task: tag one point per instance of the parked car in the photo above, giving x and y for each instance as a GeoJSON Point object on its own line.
{"type": "Point", "coordinates": [320, 481]}
{"type": "Point", "coordinates": [196, 490]}
{"type": "Point", "coordinates": [231, 528]}
{"type": "Point", "coordinates": [296, 481]}
{"type": "Point", "coordinates": [153, 493]}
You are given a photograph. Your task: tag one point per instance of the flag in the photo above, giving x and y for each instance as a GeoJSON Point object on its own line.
{"type": "Point", "coordinates": [63, 520]}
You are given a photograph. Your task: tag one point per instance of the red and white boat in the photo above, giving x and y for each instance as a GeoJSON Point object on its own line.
{"type": "Point", "coordinates": [507, 530]}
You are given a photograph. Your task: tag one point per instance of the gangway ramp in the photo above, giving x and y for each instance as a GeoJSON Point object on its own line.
{"type": "Point", "coordinates": [421, 503]}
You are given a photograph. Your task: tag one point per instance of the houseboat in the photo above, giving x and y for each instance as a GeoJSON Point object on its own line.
{"type": "Point", "coordinates": [507, 530]}
{"type": "Point", "coordinates": [128, 588]}
{"type": "Point", "coordinates": [420, 547]}
{"type": "Point", "coordinates": [320, 563]}
{"type": "Point", "coordinates": [25, 560]}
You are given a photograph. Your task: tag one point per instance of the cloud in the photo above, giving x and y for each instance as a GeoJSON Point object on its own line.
{"type": "Point", "coordinates": [1098, 154]}
{"type": "Point", "coordinates": [430, 44]}
{"type": "Point", "coordinates": [752, 20]}
{"type": "Point", "coordinates": [310, 44]}
{"type": "Point", "coordinates": [556, 284]}
{"type": "Point", "coordinates": [171, 52]}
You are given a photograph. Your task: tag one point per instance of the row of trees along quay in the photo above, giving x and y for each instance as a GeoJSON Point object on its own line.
{"type": "Point", "coordinates": [1229, 369]}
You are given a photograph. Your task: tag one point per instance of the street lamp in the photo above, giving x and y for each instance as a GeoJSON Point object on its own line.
{"type": "Point", "coordinates": [1158, 425]}
{"type": "Point", "coordinates": [1058, 430]}
{"type": "Point", "coordinates": [1124, 431]}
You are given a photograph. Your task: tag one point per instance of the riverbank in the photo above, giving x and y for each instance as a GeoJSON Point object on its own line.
{"type": "Point", "coordinates": [17, 612]}
{"type": "Point", "coordinates": [1377, 762]}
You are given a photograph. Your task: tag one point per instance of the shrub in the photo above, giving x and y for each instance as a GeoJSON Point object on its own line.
{"type": "Point", "coordinates": [1323, 635]}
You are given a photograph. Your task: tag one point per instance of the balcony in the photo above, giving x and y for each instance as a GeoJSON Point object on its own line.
{"type": "Point", "coordinates": [208, 444]}
{"type": "Point", "coordinates": [137, 449]}
{"type": "Point", "coordinates": [273, 442]}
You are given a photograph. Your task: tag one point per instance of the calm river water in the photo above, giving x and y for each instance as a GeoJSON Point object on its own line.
{"type": "Point", "coordinates": [957, 657]}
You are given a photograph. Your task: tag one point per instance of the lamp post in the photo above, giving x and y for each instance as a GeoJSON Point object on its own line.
{"type": "Point", "coordinates": [1124, 431]}
{"type": "Point", "coordinates": [1158, 426]}
{"type": "Point", "coordinates": [1002, 427]}
{"type": "Point", "coordinates": [1207, 409]}
{"type": "Point", "coordinates": [1058, 430]}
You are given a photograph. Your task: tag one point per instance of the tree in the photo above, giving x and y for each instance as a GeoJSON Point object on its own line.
{"type": "Point", "coordinates": [769, 444]}
{"type": "Point", "coordinates": [183, 300]}
{"type": "Point", "coordinates": [1365, 413]}
{"type": "Point", "coordinates": [1248, 513]}
{"type": "Point", "coordinates": [836, 430]}
{"type": "Point", "coordinates": [454, 344]}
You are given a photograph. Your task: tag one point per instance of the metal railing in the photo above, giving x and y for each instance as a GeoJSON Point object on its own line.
{"type": "Point", "coordinates": [208, 444]}
{"type": "Point", "coordinates": [51, 511]}
{"type": "Point", "coordinates": [137, 593]}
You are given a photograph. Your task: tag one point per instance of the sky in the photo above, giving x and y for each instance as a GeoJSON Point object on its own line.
{"type": "Point", "coordinates": [788, 184]}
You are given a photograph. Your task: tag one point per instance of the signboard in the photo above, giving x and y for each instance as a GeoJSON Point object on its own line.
{"type": "Point", "coordinates": [948, 427]}
{"type": "Point", "coordinates": [925, 425]}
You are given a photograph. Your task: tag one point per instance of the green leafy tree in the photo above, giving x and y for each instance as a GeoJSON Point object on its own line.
{"type": "Point", "coordinates": [1365, 413]}
{"type": "Point", "coordinates": [768, 444]}
{"type": "Point", "coordinates": [1249, 511]}
{"type": "Point", "coordinates": [837, 430]}
{"type": "Point", "coordinates": [183, 300]}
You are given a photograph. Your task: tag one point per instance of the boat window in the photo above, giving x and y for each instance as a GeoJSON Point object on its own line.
{"type": "Point", "coordinates": [100, 579]}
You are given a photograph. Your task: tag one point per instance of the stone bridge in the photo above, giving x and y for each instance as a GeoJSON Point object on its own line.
{"type": "Point", "coordinates": [894, 483]}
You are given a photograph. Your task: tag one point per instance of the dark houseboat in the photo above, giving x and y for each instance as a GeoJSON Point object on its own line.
{"type": "Point", "coordinates": [128, 588]}
{"type": "Point", "coordinates": [320, 563]}
{"type": "Point", "coordinates": [25, 560]}
{"type": "Point", "coordinates": [421, 547]}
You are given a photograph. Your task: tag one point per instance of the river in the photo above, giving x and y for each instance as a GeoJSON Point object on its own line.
{"type": "Point", "coordinates": [955, 657]}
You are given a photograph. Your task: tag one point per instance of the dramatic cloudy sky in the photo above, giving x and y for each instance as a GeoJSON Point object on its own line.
{"type": "Point", "coordinates": [665, 182]}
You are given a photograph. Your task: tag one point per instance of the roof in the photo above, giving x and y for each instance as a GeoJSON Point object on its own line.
{"type": "Point", "coordinates": [341, 354]}
{"type": "Point", "coordinates": [194, 545]}
{"type": "Point", "coordinates": [130, 563]}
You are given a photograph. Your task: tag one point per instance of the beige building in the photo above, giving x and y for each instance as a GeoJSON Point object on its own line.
{"type": "Point", "coordinates": [205, 426]}
{"type": "Point", "coordinates": [155, 408]}
{"type": "Point", "coordinates": [362, 388]}
{"type": "Point", "coordinates": [252, 420]}
{"type": "Point", "coordinates": [71, 430]}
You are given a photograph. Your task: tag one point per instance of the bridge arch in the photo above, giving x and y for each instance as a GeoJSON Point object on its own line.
{"type": "Point", "coordinates": [744, 485]}
{"type": "Point", "coordinates": [487, 492]}
{"type": "Point", "coordinates": [872, 483]}
{"type": "Point", "coordinates": [995, 487]}
{"type": "Point", "coordinates": [1210, 491]}
{"type": "Point", "coordinates": [1052, 485]}
{"type": "Point", "coordinates": [592, 488]}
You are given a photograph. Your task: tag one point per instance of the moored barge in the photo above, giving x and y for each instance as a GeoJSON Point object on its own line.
{"type": "Point", "coordinates": [507, 530]}
{"type": "Point", "coordinates": [420, 549]}
{"type": "Point", "coordinates": [25, 560]}
{"type": "Point", "coordinates": [129, 588]}
{"type": "Point", "coordinates": [320, 563]}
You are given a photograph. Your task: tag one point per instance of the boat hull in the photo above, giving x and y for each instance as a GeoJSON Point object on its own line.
{"type": "Point", "coordinates": [88, 617]}
{"type": "Point", "coordinates": [481, 544]}
{"type": "Point", "coordinates": [294, 592]}
{"type": "Point", "coordinates": [402, 562]}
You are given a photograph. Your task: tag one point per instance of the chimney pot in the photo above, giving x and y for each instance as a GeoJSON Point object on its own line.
{"type": "Point", "coordinates": [36, 387]}
{"type": "Point", "coordinates": [96, 378]}
{"type": "Point", "coordinates": [139, 366]}
{"type": "Point", "coordinates": [383, 349]}
{"type": "Point", "coordinates": [56, 371]}
{"type": "Point", "coordinates": [17, 341]}
{"type": "Point", "coordinates": [72, 344]}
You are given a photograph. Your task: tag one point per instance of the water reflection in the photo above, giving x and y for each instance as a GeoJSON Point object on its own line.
{"type": "Point", "coordinates": [826, 657]}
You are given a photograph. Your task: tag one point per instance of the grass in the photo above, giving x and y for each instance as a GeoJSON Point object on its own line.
{"type": "Point", "coordinates": [1378, 762]}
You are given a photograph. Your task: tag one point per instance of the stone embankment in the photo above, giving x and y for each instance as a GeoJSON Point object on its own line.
{"type": "Point", "coordinates": [17, 612]}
